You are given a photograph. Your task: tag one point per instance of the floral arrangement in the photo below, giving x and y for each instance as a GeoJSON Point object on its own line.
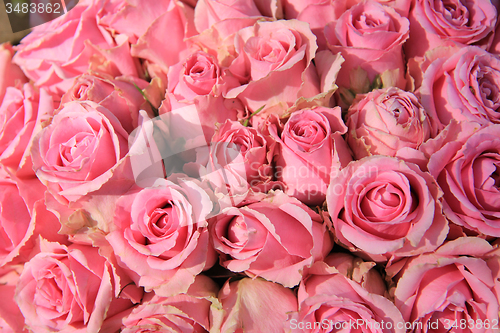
{"type": "Point", "coordinates": [252, 166]}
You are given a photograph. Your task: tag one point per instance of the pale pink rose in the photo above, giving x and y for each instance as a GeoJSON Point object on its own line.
{"type": "Point", "coordinates": [384, 121]}
{"type": "Point", "coordinates": [240, 159]}
{"type": "Point", "coordinates": [184, 313]}
{"type": "Point", "coordinates": [453, 287]}
{"type": "Point", "coordinates": [160, 235]}
{"type": "Point", "coordinates": [58, 51]}
{"type": "Point", "coordinates": [119, 95]}
{"type": "Point", "coordinates": [11, 318]}
{"type": "Point", "coordinates": [11, 73]}
{"type": "Point", "coordinates": [370, 36]}
{"type": "Point", "coordinates": [276, 238]}
{"type": "Point", "coordinates": [310, 148]}
{"type": "Point", "coordinates": [386, 208]}
{"type": "Point", "coordinates": [401, 6]}
{"type": "Point", "coordinates": [68, 289]}
{"type": "Point", "coordinates": [464, 85]}
{"type": "Point", "coordinates": [253, 306]}
{"type": "Point", "coordinates": [440, 23]}
{"type": "Point", "coordinates": [79, 151]}
{"type": "Point", "coordinates": [208, 12]}
{"type": "Point", "coordinates": [273, 65]}
{"type": "Point", "coordinates": [330, 301]}
{"type": "Point", "coordinates": [22, 112]}
{"type": "Point", "coordinates": [176, 18]}
{"type": "Point", "coordinates": [467, 170]}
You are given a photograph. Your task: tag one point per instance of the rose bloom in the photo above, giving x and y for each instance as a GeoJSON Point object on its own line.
{"type": "Point", "coordinates": [384, 121]}
{"type": "Point", "coordinates": [276, 238]}
{"type": "Point", "coordinates": [160, 235]}
{"type": "Point", "coordinates": [436, 23]}
{"type": "Point", "coordinates": [370, 36]}
{"type": "Point", "coordinates": [335, 301]}
{"type": "Point", "coordinates": [273, 65]}
{"type": "Point", "coordinates": [185, 313]}
{"type": "Point", "coordinates": [69, 289]}
{"type": "Point", "coordinates": [11, 73]}
{"type": "Point", "coordinates": [467, 169]}
{"type": "Point", "coordinates": [463, 85]}
{"type": "Point", "coordinates": [11, 318]}
{"type": "Point", "coordinates": [79, 150]}
{"type": "Point", "coordinates": [86, 45]}
{"type": "Point", "coordinates": [386, 208]}
{"type": "Point", "coordinates": [253, 306]}
{"type": "Point", "coordinates": [453, 287]}
{"type": "Point", "coordinates": [310, 148]}
{"type": "Point", "coordinates": [208, 12]}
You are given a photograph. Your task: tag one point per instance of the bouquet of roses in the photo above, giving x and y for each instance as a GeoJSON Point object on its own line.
{"type": "Point", "coordinates": [252, 166]}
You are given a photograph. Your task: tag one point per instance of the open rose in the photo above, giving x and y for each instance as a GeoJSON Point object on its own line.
{"type": "Point", "coordinates": [463, 85]}
{"type": "Point", "coordinates": [310, 148]}
{"type": "Point", "coordinates": [468, 171]}
{"type": "Point", "coordinates": [386, 207]}
{"type": "Point", "coordinates": [461, 22]}
{"type": "Point", "coordinates": [276, 238]}
{"type": "Point", "coordinates": [369, 35]}
{"type": "Point", "coordinates": [453, 287]}
{"type": "Point", "coordinates": [340, 303]}
{"type": "Point", "coordinates": [384, 121]}
{"type": "Point", "coordinates": [253, 306]}
{"type": "Point", "coordinates": [11, 318]}
{"type": "Point", "coordinates": [67, 289]}
{"type": "Point", "coordinates": [160, 235]}
{"type": "Point", "coordinates": [207, 12]}
{"type": "Point", "coordinates": [87, 45]}
{"type": "Point", "coordinates": [11, 73]}
{"type": "Point", "coordinates": [187, 312]}
{"type": "Point", "coordinates": [273, 65]}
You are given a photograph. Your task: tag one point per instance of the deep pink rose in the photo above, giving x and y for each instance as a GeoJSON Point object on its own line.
{"type": "Point", "coordinates": [370, 36]}
{"type": "Point", "coordinates": [253, 306]}
{"type": "Point", "coordinates": [186, 313]}
{"type": "Point", "coordinates": [452, 22]}
{"type": "Point", "coordinates": [273, 65]}
{"type": "Point", "coordinates": [467, 170]}
{"type": "Point", "coordinates": [462, 84]}
{"type": "Point", "coordinates": [276, 238]}
{"type": "Point", "coordinates": [160, 235]}
{"type": "Point", "coordinates": [119, 95]}
{"type": "Point", "coordinates": [384, 121]}
{"type": "Point", "coordinates": [11, 73]}
{"type": "Point", "coordinates": [56, 52]}
{"type": "Point", "coordinates": [386, 208]}
{"type": "Point", "coordinates": [310, 148]}
{"type": "Point", "coordinates": [79, 151]}
{"type": "Point", "coordinates": [453, 287]}
{"type": "Point", "coordinates": [330, 301]}
{"type": "Point", "coordinates": [69, 289]}
{"type": "Point", "coordinates": [11, 318]}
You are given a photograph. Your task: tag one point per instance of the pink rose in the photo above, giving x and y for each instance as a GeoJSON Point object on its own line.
{"type": "Point", "coordinates": [86, 45]}
{"type": "Point", "coordinates": [329, 301]}
{"type": "Point", "coordinates": [11, 318]}
{"type": "Point", "coordinates": [453, 287]}
{"type": "Point", "coordinates": [79, 150]}
{"type": "Point", "coordinates": [437, 23]}
{"type": "Point", "coordinates": [68, 289]}
{"type": "Point", "coordinates": [11, 73]}
{"type": "Point", "coordinates": [467, 170]}
{"type": "Point", "coordinates": [463, 85]}
{"type": "Point", "coordinates": [276, 238]}
{"type": "Point", "coordinates": [160, 235]}
{"type": "Point", "coordinates": [187, 312]}
{"type": "Point", "coordinates": [384, 121]}
{"type": "Point", "coordinates": [273, 65]}
{"type": "Point", "coordinates": [385, 208]}
{"type": "Point", "coordinates": [253, 306]}
{"type": "Point", "coordinates": [310, 148]}
{"type": "Point", "coordinates": [208, 12]}
{"type": "Point", "coordinates": [370, 36]}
